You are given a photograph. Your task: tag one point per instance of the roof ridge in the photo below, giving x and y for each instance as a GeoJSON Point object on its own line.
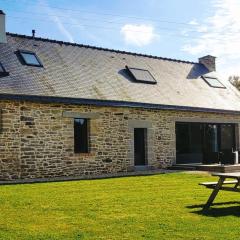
{"type": "Point", "coordinates": [98, 48]}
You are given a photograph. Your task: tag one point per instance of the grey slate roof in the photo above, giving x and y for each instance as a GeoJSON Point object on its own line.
{"type": "Point", "coordinates": [75, 71]}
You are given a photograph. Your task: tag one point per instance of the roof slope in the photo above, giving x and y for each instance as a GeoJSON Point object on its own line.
{"type": "Point", "coordinates": [83, 72]}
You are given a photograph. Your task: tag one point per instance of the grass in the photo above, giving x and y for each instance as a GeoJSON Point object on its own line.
{"type": "Point", "coordinates": [166, 206]}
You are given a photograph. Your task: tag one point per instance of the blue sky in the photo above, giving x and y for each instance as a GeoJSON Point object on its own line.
{"type": "Point", "coordinates": [182, 29]}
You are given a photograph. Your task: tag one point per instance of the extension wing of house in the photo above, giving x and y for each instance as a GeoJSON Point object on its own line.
{"type": "Point", "coordinates": [71, 110]}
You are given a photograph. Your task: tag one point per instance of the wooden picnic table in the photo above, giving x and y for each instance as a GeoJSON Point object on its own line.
{"type": "Point", "coordinates": [221, 185]}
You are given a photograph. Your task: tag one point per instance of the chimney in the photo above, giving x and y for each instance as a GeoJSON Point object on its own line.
{"type": "Point", "coordinates": [209, 62]}
{"type": "Point", "coordinates": [33, 33]}
{"type": "Point", "coordinates": [3, 37]}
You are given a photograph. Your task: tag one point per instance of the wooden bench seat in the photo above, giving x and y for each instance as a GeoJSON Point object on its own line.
{"type": "Point", "coordinates": [210, 184]}
{"type": "Point", "coordinates": [221, 185]}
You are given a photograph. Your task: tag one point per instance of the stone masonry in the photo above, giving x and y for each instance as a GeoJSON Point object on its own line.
{"type": "Point", "coordinates": [36, 140]}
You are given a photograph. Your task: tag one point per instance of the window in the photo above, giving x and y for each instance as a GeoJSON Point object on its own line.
{"type": "Point", "coordinates": [81, 135]}
{"type": "Point", "coordinates": [3, 72]}
{"type": "Point", "coordinates": [189, 137]}
{"type": "Point", "coordinates": [206, 143]}
{"type": "Point", "coordinates": [141, 75]}
{"type": "Point", "coordinates": [213, 82]}
{"type": "Point", "coordinates": [29, 58]}
{"type": "Point", "coordinates": [188, 143]}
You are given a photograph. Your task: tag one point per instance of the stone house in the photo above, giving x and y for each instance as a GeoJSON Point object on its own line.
{"type": "Point", "coordinates": [71, 110]}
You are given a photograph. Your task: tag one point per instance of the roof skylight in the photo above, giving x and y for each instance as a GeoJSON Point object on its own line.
{"type": "Point", "coordinates": [213, 82]}
{"type": "Point", "coordinates": [3, 71]}
{"type": "Point", "coordinates": [141, 75]}
{"type": "Point", "coordinates": [30, 58]}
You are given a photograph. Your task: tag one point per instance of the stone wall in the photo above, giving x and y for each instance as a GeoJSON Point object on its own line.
{"type": "Point", "coordinates": [36, 140]}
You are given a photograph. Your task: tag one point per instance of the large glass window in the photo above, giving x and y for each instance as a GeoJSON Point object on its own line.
{"type": "Point", "coordinates": [189, 142]}
{"type": "Point", "coordinates": [81, 135]}
{"type": "Point", "coordinates": [227, 141]}
{"type": "Point", "coordinates": [189, 138]}
{"type": "Point", "coordinates": [227, 144]}
{"type": "Point", "coordinates": [206, 143]}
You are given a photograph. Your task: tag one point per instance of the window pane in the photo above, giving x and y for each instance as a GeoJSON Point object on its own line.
{"type": "Point", "coordinates": [211, 138]}
{"type": "Point", "coordinates": [195, 136]}
{"type": "Point", "coordinates": [3, 72]}
{"type": "Point", "coordinates": [188, 143]}
{"type": "Point", "coordinates": [227, 136]}
{"type": "Point", "coordinates": [141, 75]}
{"type": "Point", "coordinates": [213, 82]}
{"type": "Point", "coordinates": [30, 58]}
{"type": "Point", "coordinates": [81, 138]}
{"type": "Point", "coordinates": [1, 68]}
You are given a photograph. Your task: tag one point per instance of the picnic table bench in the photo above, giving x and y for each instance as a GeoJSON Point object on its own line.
{"type": "Point", "coordinates": [220, 185]}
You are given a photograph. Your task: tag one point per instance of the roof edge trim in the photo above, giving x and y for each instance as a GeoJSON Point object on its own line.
{"type": "Point", "coordinates": [110, 103]}
{"type": "Point", "coordinates": [98, 48]}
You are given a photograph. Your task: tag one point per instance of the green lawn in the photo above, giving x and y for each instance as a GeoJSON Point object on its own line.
{"type": "Point", "coordinates": [165, 206]}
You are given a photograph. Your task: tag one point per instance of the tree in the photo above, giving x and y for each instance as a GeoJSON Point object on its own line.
{"type": "Point", "coordinates": [235, 81]}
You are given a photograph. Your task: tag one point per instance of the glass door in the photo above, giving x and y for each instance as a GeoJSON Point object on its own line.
{"type": "Point", "coordinates": [206, 143]}
{"type": "Point", "coordinates": [227, 143]}
{"type": "Point", "coordinates": [210, 143]}
{"type": "Point", "coordinates": [188, 143]}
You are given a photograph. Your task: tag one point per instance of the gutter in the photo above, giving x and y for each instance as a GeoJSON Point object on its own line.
{"type": "Point", "coordinates": [110, 103]}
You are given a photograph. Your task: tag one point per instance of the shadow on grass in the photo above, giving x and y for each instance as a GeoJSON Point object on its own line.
{"type": "Point", "coordinates": [219, 211]}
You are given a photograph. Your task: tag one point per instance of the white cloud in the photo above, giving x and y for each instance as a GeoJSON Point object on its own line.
{"type": "Point", "coordinates": [219, 35]}
{"type": "Point", "coordinates": [138, 35]}
{"type": "Point", "coordinates": [193, 22]}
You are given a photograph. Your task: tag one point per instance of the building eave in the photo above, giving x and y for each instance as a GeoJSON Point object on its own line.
{"type": "Point", "coordinates": [110, 103]}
